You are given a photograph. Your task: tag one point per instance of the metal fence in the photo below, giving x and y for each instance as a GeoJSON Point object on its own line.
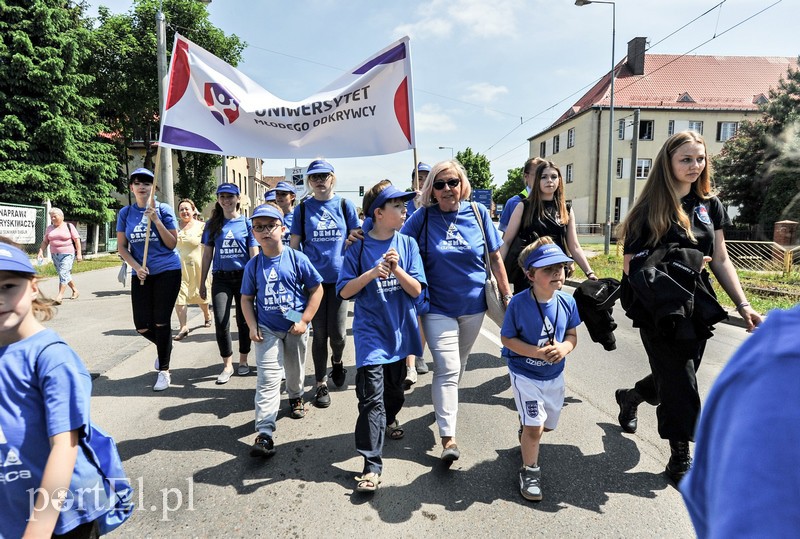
{"type": "Point", "coordinates": [18, 229]}
{"type": "Point", "coordinates": [763, 256]}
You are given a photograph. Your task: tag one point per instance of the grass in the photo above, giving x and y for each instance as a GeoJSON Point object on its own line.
{"type": "Point", "coordinates": [88, 264]}
{"type": "Point", "coordinates": [765, 291]}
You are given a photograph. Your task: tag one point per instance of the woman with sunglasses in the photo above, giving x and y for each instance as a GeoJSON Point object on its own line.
{"type": "Point", "coordinates": [229, 241]}
{"type": "Point", "coordinates": [544, 212]}
{"type": "Point", "coordinates": [451, 243]}
{"type": "Point", "coordinates": [321, 224]}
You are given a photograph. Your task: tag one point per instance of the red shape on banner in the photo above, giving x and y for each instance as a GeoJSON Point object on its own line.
{"type": "Point", "coordinates": [401, 108]}
{"type": "Point", "coordinates": [179, 75]}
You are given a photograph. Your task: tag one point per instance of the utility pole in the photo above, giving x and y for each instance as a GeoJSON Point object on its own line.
{"type": "Point", "coordinates": [165, 171]}
{"type": "Point", "coordinates": [634, 159]}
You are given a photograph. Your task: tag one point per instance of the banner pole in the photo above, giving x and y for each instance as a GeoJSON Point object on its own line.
{"type": "Point", "coordinates": [415, 179]}
{"type": "Point", "coordinates": [151, 203]}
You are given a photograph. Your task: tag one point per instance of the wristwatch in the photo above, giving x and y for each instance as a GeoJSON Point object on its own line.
{"type": "Point", "coordinates": [507, 297]}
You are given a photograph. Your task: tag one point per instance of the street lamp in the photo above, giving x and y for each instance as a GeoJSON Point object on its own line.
{"type": "Point", "coordinates": [607, 226]}
{"type": "Point", "coordinates": [452, 153]}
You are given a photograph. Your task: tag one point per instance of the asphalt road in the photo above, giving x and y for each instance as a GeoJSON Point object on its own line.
{"type": "Point", "coordinates": [186, 449]}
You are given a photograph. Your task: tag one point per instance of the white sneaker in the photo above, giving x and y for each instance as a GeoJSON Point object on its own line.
{"type": "Point", "coordinates": [411, 378]}
{"type": "Point", "coordinates": [162, 382]}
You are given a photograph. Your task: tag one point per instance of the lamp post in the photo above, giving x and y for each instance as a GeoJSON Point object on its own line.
{"type": "Point", "coordinates": [607, 225]}
{"type": "Point", "coordinates": [452, 152]}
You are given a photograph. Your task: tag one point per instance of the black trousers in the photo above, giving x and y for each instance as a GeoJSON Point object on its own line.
{"type": "Point", "coordinates": [379, 389]}
{"type": "Point", "coordinates": [225, 287]}
{"type": "Point", "coordinates": [672, 386]}
{"type": "Point", "coordinates": [152, 304]}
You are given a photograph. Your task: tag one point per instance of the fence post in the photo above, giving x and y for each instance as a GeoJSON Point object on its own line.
{"type": "Point", "coordinates": [787, 262]}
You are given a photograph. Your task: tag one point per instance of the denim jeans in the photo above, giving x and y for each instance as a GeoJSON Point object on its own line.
{"type": "Point", "coordinates": [152, 303]}
{"type": "Point", "coordinates": [278, 351]}
{"type": "Point", "coordinates": [63, 264]}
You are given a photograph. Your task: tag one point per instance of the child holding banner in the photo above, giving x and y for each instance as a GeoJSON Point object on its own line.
{"type": "Point", "coordinates": [321, 225]}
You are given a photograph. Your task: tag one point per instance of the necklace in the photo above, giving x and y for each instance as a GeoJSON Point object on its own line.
{"type": "Point", "coordinates": [447, 224]}
{"type": "Point", "coordinates": [551, 337]}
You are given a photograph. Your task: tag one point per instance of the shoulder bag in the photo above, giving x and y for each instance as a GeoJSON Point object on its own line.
{"type": "Point", "coordinates": [495, 307]}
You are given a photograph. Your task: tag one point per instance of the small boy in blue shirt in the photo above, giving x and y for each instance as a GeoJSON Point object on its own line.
{"type": "Point", "coordinates": [384, 274]}
{"type": "Point", "coordinates": [538, 332]}
{"type": "Point", "coordinates": [281, 293]}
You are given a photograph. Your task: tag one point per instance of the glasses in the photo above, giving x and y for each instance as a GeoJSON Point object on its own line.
{"type": "Point", "coordinates": [318, 178]}
{"type": "Point", "coordinates": [452, 182]}
{"type": "Point", "coordinates": [268, 228]}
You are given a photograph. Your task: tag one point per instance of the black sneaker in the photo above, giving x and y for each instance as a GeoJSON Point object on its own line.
{"type": "Point", "coordinates": [338, 374]}
{"type": "Point", "coordinates": [263, 447]}
{"type": "Point", "coordinates": [322, 399]}
{"type": "Point", "coordinates": [296, 408]}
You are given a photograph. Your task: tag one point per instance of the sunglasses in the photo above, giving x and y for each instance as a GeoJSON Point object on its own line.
{"type": "Point", "coordinates": [452, 182]}
{"type": "Point", "coordinates": [318, 178]}
{"type": "Point", "coordinates": [268, 228]}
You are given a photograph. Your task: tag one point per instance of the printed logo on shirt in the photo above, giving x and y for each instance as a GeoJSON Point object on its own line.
{"type": "Point", "coordinates": [547, 330]}
{"type": "Point", "coordinates": [276, 300]}
{"type": "Point", "coordinates": [139, 232]}
{"type": "Point", "coordinates": [453, 239]}
{"type": "Point", "coordinates": [230, 248]}
{"type": "Point", "coordinates": [12, 459]}
{"type": "Point", "coordinates": [532, 408]}
{"type": "Point", "coordinates": [388, 285]}
{"type": "Point", "coordinates": [327, 229]}
{"type": "Point", "coordinates": [3, 439]}
{"type": "Point", "coordinates": [702, 214]}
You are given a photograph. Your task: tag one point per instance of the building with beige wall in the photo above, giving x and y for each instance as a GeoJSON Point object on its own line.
{"type": "Point", "coordinates": [709, 94]}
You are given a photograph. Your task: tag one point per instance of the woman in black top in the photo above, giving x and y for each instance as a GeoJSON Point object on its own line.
{"type": "Point", "coordinates": [676, 206]}
{"type": "Point", "coordinates": [543, 213]}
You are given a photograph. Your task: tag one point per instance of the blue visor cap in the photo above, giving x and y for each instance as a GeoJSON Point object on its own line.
{"type": "Point", "coordinates": [422, 167]}
{"type": "Point", "coordinates": [143, 175]}
{"type": "Point", "coordinates": [320, 166]}
{"type": "Point", "coordinates": [270, 196]}
{"type": "Point", "coordinates": [230, 188]}
{"type": "Point", "coordinates": [284, 186]}
{"type": "Point", "coordinates": [268, 210]}
{"type": "Point", "coordinates": [546, 255]}
{"type": "Point", "coordinates": [390, 193]}
{"type": "Point", "coordinates": [13, 259]}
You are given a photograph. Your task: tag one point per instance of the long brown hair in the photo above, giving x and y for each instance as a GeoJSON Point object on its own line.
{"type": "Point", "coordinates": [214, 224]}
{"type": "Point", "coordinates": [659, 206]}
{"type": "Point", "coordinates": [533, 205]}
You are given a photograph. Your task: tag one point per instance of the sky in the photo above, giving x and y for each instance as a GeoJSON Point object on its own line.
{"type": "Point", "coordinates": [487, 74]}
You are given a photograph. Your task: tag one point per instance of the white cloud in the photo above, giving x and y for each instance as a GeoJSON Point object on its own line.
{"type": "Point", "coordinates": [439, 27]}
{"type": "Point", "coordinates": [484, 93]}
{"type": "Point", "coordinates": [472, 17]}
{"type": "Point", "coordinates": [432, 119]}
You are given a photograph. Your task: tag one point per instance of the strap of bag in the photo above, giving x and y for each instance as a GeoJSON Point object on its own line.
{"type": "Point", "coordinates": [486, 262]}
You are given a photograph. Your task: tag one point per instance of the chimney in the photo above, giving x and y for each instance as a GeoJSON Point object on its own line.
{"type": "Point", "coordinates": [636, 48]}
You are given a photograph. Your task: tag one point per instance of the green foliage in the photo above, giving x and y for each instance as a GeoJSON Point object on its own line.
{"type": "Point", "coordinates": [193, 166]}
{"type": "Point", "coordinates": [513, 185]}
{"type": "Point", "coordinates": [477, 167]}
{"type": "Point", "coordinates": [50, 147]}
{"type": "Point", "coordinates": [758, 168]}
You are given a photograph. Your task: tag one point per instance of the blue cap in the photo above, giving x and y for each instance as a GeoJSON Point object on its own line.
{"type": "Point", "coordinates": [422, 167]}
{"type": "Point", "coordinates": [390, 193]}
{"type": "Point", "coordinates": [320, 166]}
{"type": "Point", "coordinates": [268, 210]}
{"type": "Point", "coordinates": [269, 196]}
{"type": "Point", "coordinates": [143, 174]}
{"type": "Point", "coordinates": [284, 186]}
{"type": "Point", "coordinates": [231, 188]}
{"type": "Point", "coordinates": [13, 259]}
{"type": "Point", "coordinates": [546, 255]}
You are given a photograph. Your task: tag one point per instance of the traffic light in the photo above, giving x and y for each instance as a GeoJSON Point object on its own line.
{"type": "Point", "coordinates": [361, 190]}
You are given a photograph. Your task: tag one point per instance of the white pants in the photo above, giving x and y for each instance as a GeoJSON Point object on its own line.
{"type": "Point", "coordinates": [450, 341]}
{"type": "Point", "coordinates": [278, 351]}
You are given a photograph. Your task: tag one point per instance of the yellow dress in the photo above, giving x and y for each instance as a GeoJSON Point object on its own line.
{"type": "Point", "coordinates": [190, 251]}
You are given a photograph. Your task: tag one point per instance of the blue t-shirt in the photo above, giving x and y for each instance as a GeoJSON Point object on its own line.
{"type": "Point", "coordinates": [745, 477]}
{"type": "Point", "coordinates": [287, 222]}
{"type": "Point", "coordinates": [326, 231]}
{"type": "Point", "coordinates": [39, 398]}
{"type": "Point", "coordinates": [276, 284]}
{"type": "Point", "coordinates": [133, 223]}
{"type": "Point", "coordinates": [411, 207]}
{"type": "Point", "coordinates": [385, 327]}
{"type": "Point", "coordinates": [452, 253]}
{"type": "Point", "coordinates": [524, 322]}
{"type": "Point", "coordinates": [232, 244]}
{"type": "Point", "coordinates": [508, 209]}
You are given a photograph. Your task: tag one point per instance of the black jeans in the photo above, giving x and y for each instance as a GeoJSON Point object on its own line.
{"type": "Point", "coordinates": [672, 386]}
{"type": "Point", "coordinates": [225, 287]}
{"type": "Point", "coordinates": [152, 304]}
{"type": "Point", "coordinates": [328, 323]}
{"type": "Point", "coordinates": [379, 389]}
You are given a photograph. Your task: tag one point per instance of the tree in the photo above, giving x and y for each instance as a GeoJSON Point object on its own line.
{"type": "Point", "coordinates": [124, 55]}
{"type": "Point", "coordinates": [513, 185]}
{"type": "Point", "coordinates": [759, 167]}
{"type": "Point", "coordinates": [477, 167]}
{"type": "Point", "coordinates": [50, 148]}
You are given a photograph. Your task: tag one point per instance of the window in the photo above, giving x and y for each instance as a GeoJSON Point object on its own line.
{"type": "Point", "coordinates": [617, 209]}
{"type": "Point", "coordinates": [620, 164]}
{"type": "Point", "coordinates": [543, 149]}
{"type": "Point", "coordinates": [571, 138]}
{"type": "Point", "coordinates": [646, 130]}
{"type": "Point", "coordinates": [671, 128]}
{"type": "Point", "coordinates": [726, 130]}
{"type": "Point", "coordinates": [621, 130]}
{"type": "Point", "coordinates": [556, 140]}
{"type": "Point", "coordinates": [695, 126]}
{"type": "Point", "coordinates": [568, 178]}
{"type": "Point", "coordinates": [643, 168]}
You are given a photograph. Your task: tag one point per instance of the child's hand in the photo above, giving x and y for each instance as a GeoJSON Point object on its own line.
{"type": "Point", "coordinates": [392, 258]}
{"type": "Point", "coordinates": [382, 270]}
{"type": "Point", "coordinates": [255, 336]}
{"type": "Point", "coordinates": [298, 328]}
{"type": "Point", "coordinates": [553, 353]}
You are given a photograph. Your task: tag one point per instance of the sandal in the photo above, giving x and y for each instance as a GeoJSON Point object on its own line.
{"type": "Point", "coordinates": [181, 335]}
{"type": "Point", "coordinates": [394, 431]}
{"type": "Point", "coordinates": [368, 482]}
{"type": "Point", "coordinates": [207, 323]}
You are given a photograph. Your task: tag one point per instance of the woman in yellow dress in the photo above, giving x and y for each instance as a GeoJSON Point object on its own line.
{"type": "Point", "coordinates": [191, 254]}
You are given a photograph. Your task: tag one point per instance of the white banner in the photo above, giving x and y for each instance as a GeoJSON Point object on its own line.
{"type": "Point", "coordinates": [18, 224]}
{"type": "Point", "coordinates": [214, 108]}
